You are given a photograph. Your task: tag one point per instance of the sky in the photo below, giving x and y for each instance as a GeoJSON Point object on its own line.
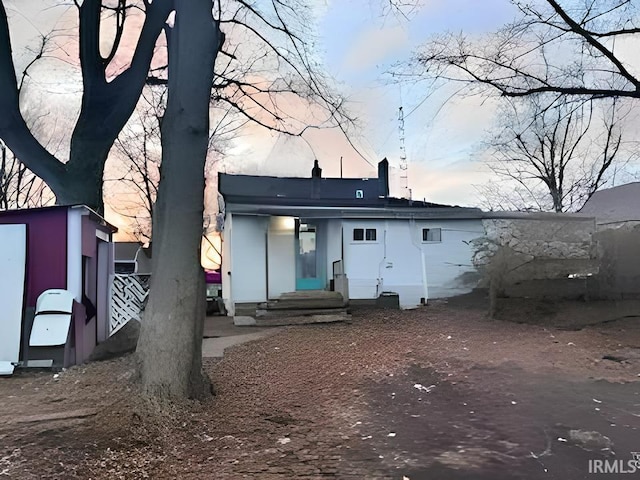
{"type": "Point", "coordinates": [360, 48]}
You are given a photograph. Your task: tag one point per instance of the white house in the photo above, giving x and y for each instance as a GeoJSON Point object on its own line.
{"type": "Point", "coordinates": [289, 234]}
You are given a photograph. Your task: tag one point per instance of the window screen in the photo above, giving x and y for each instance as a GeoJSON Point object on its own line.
{"type": "Point", "coordinates": [365, 235]}
{"type": "Point", "coordinates": [431, 235]}
{"type": "Point", "coordinates": [371, 234]}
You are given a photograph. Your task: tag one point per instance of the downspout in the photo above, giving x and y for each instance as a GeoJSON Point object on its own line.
{"type": "Point", "coordinates": [419, 246]}
{"type": "Point", "coordinates": [384, 259]}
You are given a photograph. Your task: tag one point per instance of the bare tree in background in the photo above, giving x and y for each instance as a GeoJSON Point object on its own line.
{"type": "Point", "coordinates": [551, 154]}
{"type": "Point", "coordinates": [20, 188]}
{"type": "Point", "coordinates": [561, 47]}
{"type": "Point", "coordinates": [138, 149]}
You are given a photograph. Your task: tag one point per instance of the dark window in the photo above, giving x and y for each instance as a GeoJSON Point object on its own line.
{"type": "Point", "coordinates": [371, 235]}
{"type": "Point", "coordinates": [365, 235]}
{"type": "Point", "coordinates": [125, 267]}
{"type": "Point", "coordinates": [431, 235]}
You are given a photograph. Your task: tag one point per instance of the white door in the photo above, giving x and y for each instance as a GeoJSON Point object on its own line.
{"type": "Point", "coordinates": [13, 265]}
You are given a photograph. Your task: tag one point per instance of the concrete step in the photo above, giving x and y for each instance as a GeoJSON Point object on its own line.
{"type": "Point", "coordinates": [305, 300]}
{"type": "Point", "coordinates": [305, 312]}
{"type": "Point", "coordinates": [302, 320]}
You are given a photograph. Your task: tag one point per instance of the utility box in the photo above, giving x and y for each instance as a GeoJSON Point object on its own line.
{"type": "Point", "coordinates": [388, 300]}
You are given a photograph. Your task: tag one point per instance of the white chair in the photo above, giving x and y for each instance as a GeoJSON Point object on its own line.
{"type": "Point", "coordinates": [52, 324]}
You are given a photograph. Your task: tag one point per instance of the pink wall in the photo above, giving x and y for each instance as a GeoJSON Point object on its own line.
{"type": "Point", "coordinates": [47, 248]}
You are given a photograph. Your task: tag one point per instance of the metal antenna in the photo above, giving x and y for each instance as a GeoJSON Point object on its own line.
{"type": "Point", "coordinates": [404, 166]}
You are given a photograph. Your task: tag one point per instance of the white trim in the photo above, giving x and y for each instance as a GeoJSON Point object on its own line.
{"type": "Point", "coordinates": [102, 235]}
{"type": "Point", "coordinates": [74, 253]}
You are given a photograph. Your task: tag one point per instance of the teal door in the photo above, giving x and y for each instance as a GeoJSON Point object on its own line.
{"type": "Point", "coordinates": [309, 272]}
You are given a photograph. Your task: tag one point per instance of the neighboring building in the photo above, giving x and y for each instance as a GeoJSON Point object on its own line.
{"type": "Point", "coordinates": [131, 257]}
{"type": "Point", "coordinates": [616, 206]}
{"type": "Point", "coordinates": [62, 247]}
{"type": "Point", "coordinates": [289, 234]}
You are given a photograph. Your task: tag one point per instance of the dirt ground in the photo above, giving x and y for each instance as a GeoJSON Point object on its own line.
{"type": "Point", "coordinates": [440, 392]}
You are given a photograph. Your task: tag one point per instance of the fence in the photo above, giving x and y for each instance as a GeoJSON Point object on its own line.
{"type": "Point", "coordinates": [128, 299]}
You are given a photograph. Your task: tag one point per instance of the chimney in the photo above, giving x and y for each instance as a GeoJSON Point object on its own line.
{"type": "Point", "coordinates": [316, 172]}
{"type": "Point", "coordinates": [316, 175]}
{"type": "Point", "coordinates": [383, 178]}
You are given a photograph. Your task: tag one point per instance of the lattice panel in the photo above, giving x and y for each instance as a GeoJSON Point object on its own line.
{"type": "Point", "coordinates": [128, 298]}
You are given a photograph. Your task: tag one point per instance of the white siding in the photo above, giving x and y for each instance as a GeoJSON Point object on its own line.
{"type": "Point", "coordinates": [402, 268]}
{"type": "Point", "coordinates": [363, 260]}
{"type": "Point", "coordinates": [281, 254]}
{"type": "Point", "coordinates": [334, 244]}
{"type": "Point", "coordinates": [74, 252]}
{"type": "Point", "coordinates": [450, 259]}
{"type": "Point", "coordinates": [394, 261]}
{"type": "Point", "coordinates": [227, 264]}
{"type": "Point", "coordinates": [248, 259]}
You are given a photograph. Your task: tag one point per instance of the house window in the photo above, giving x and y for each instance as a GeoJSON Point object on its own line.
{"type": "Point", "coordinates": [431, 235]}
{"type": "Point", "coordinates": [370, 234]}
{"type": "Point", "coordinates": [365, 235]}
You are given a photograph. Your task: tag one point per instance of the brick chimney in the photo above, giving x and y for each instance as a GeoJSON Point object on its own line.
{"type": "Point", "coordinates": [383, 178]}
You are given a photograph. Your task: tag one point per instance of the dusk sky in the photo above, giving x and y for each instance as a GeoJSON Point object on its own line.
{"type": "Point", "coordinates": [359, 47]}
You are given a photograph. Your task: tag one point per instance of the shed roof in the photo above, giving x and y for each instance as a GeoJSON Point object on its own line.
{"type": "Point", "coordinates": [92, 213]}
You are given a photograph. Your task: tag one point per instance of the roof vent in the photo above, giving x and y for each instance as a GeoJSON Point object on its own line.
{"type": "Point", "coordinates": [359, 194]}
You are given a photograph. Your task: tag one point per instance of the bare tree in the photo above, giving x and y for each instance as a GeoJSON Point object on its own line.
{"type": "Point", "coordinates": [267, 71]}
{"type": "Point", "coordinates": [552, 154]}
{"type": "Point", "coordinates": [133, 185]}
{"type": "Point", "coordinates": [108, 97]}
{"type": "Point", "coordinates": [20, 188]}
{"type": "Point", "coordinates": [170, 345]}
{"type": "Point", "coordinates": [561, 47]}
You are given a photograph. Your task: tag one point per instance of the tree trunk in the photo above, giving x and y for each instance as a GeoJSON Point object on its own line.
{"type": "Point", "coordinates": [170, 345]}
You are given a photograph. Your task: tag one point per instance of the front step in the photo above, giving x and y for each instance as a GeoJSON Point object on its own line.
{"type": "Point", "coordinates": [302, 319]}
{"type": "Point", "coordinates": [305, 300]}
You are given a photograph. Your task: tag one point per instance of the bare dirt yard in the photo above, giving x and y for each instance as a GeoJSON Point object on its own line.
{"type": "Point", "coordinates": [440, 392]}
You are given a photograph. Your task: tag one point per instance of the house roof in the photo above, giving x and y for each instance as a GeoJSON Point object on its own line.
{"type": "Point", "coordinates": [617, 204]}
{"type": "Point", "coordinates": [292, 190]}
{"type": "Point", "coordinates": [320, 196]}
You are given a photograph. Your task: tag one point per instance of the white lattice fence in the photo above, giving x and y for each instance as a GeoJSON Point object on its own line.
{"type": "Point", "coordinates": [128, 297]}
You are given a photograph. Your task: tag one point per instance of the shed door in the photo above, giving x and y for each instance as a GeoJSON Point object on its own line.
{"type": "Point", "coordinates": [13, 265]}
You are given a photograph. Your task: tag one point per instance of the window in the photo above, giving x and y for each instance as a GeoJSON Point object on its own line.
{"type": "Point", "coordinates": [365, 235]}
{"type": "Point", "coordinates": [371, 234]}
{"type": "Point", "coordinates": [431, 235]}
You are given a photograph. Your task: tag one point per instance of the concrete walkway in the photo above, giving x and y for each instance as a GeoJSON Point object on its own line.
{"type": "Point", "coordinates": [220, 333]}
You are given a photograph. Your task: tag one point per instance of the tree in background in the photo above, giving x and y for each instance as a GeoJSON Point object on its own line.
{"type": "Point", "coordinates": [133, 185]}
{"type": "Point", "coordinates": [553, 58]}
{"type": "Point", "coordinates": [565, 48]}
{"type": "Point", "coordinates": [20, 188]}
{"type": "Point", "coordinates": [552, 154]}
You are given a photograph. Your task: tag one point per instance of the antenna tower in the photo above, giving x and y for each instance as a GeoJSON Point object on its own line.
{"type": "Point", "coordinates": [404, 166]}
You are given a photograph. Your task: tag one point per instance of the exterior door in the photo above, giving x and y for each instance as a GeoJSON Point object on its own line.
{"type": "Point", "coordinates": [310, 273]}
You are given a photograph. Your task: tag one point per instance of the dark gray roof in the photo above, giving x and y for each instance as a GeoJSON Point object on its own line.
{"type": "Point", "coordinates": [322, 192]}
